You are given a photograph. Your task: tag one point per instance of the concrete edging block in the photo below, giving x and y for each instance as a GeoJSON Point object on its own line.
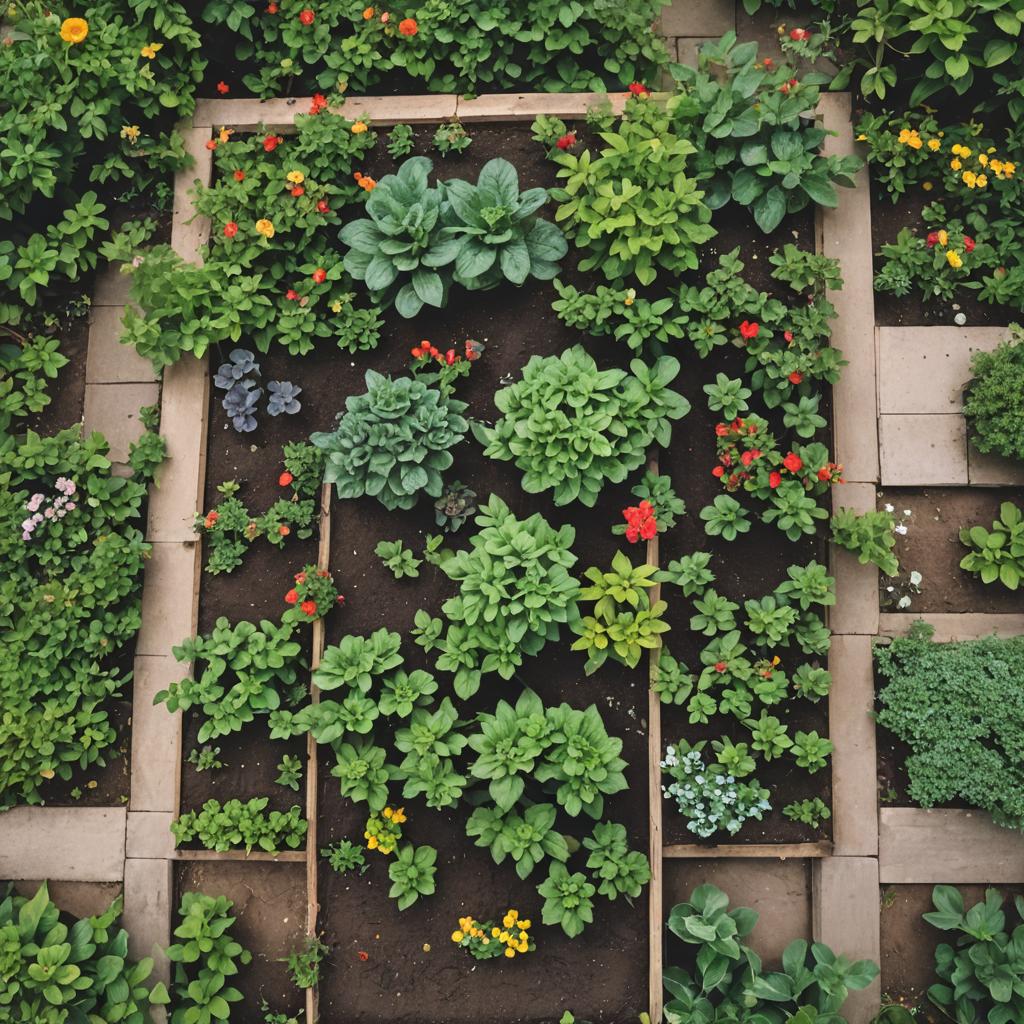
{"type": "Point", "coordinates": [952, 626]}
{"type": "Point", "coordinates": [156, 735]}
{"type": "Point", "coordinates": [148, 909]}
{"type": "Point", "coordinates": [107, 361]}
{"type": "Point", "coordinates": [73, 844]}
{"type": "Point", "coordinates": [149, 835]}
{"type": "Point", "coordinates": [928, 450]}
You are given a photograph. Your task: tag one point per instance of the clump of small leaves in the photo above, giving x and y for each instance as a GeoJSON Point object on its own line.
{"type": "Point", "coordinates": [205, 758]}
{"type": "Point", "coordinates": [400, 141]}
{"type": "Point", "coordinates": [811, 812]}
{"type": "Point", "coordinates": [451, 137]}
{"type": "Point", "coordinates": [345, 856]}
{"type": "Point", "coordinates": [455, 506]}
{"type": "Point", "coordinates": [398, 559]}
{"type": "Point", "coordinates": [289, 772]}
{"type": "Point", "coordinates": [304, 963]}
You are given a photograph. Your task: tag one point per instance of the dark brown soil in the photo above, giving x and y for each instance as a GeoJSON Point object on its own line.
{"type": "Point", "coordinates": [270, 916]}
{"type": "Point", "coordinates": [932, 547]}
{"type": "Point", "coordinates": [908, 942]}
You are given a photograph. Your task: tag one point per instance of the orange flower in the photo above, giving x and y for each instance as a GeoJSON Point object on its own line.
{"type": "Point", "coordinates": [368, 13]}
{"type": "Point", "coordinates": [367, 183]}
{"type": "Point", "coordinates": [359, 127]}
{"type": "Point", "coordinates": [283, 530]}
{"type": "Point", "coordinates": [408, 27]}
{"type": "Point", "coordinates": [74, 30]}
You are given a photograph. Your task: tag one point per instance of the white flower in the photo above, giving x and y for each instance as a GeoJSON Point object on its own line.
{"type": "Point", "coordinates": [907, 512]}
{"type": "Point", "coordinates": [915, 578]}
{"type": "Point", "coordinates": [903, 602]}
{"type": "Point", "coordinates": [900, 529]}
{"type": "Point", "coordinates": [889, 508]}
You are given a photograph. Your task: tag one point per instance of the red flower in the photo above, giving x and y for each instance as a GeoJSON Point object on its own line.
{"type": "Point", "coordinates": [795, 377]}
{"type": "Point", "coordinates": [284, 530]}
{"type": "Point", "coordinates": [748, 457]}
{"type": "Point", "coordinates": [308, 607]}
{"type": "Point", "coordinates": [749, 330]}
{"type": "Point", "coordinates": [306, 17]}
{"type": "Point", "coordinates": [223, 88]}
{"type": "Point", "coordinates": [363, 955]}
{"type": "Point", "coordinates": [271, 142]}
{"type": "Point", "coordinates": [718, 471]}
{"type": "Point", "coordinates": [300, 577]}
{"type": "Point", "coordinates": [211, 519]}
{"type": "Point", "coordinates": [271, 8]}
{"type": "Point", "coordinates": [721, 429]}
{"type": "Point", "coordinates": [239, 175]}
{"type": "Point", "coordinates": [212, 144]}
{"type": "Point", "coordinates": [450, 357]}
{"type": "Point", "coordinates": [567, 141]}
{"type": "Point", "coordinates": [788, 335]}
{"type": "Point", "coordinates": [341, 599]}
{"type": "Point", "coordinates": [322, 207]}
{"type": "Point", "coordinates": [720, 666]}
{"type": "Point", "coordinates": [285, 479]}
{"type": "Point", "coordinates": [799, 35]}
{"type": "Point", "coordinates": [408, 27]}
{"type": "Point", "coordinates": [298, 191]}
{"type": "Point", "coordinates": [230, 229]}
{"type": "Point", "coordinates": [824, 473]}
{"type": "Point", "coordinates": [291, 597]}
{"type": "Point", "coordinates": [319, 103]}
{"type": "Point", "coordinates": [768, 63]}
{"type": "Point", "coordinates": [639, 89]}
{"type": "Point", "coordinates": [793, 462]}
{"type": "Point", "coordinates": [932, 239]}
{"type": "Point", "coordinates": [319, 275]}
{"type": "Point", "coordinates": [642, 524]}
{"type": "Point", "coordinates": [774, 479]}
{"type": "Point", "coordinates": [291, 294]}
{"type": "Point", "coordinates": [968, 243]}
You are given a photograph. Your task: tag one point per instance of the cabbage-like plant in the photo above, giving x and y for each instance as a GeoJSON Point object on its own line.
{"type": "Point", "coordinates": [403, 250]}
{"type": "Point", "coordinates": [393, 441]}
{"type": "Point", "coordinates": [571, 427]}
{"type": "Point", "coordinates": [501, 239]}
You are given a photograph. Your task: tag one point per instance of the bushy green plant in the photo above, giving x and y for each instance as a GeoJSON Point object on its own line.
{"type": "Point", "coordinates": [729, 982]}
{"type": "Point", "coordinates": [810, 812]}
{"type": "Point", "coordinates": [953, 703]}
{"type": "Point", "coordinates": [571, 427]}
{"type": "Point", "coordinates": [232, 824]}
{"type": "Point", "coordinates": [345, 856]}
{"type": "Point", "coordinates": [621, 871]}
{"type": "Point", "coordinates": [567, 900]}
{"type": "Point", "coordinates": [515, 591]}
{"type": "Point", "coordinates": [994, 399]}
{"type": "Point", "coordinates": [205, 960]}
{"type": "Point", "coordinates": [393, 441]}
{"type": "Point", "coordinates": [635, 206]}
{"type": "Point", "coordinates": [982, 975]}
{"type": "Point", "coordinates": [869, 535]}
{"type": "Point", "coordinates": [362, 773]}
{"type": "Point", "coordinates": [304, 963]}
{"type": "Point", "coordinates": [73, 556]}
{"type": "Point", "coordinates": [412, 874]}
{"type": "Point", "coordinates": [50, 971]}
{"type": "Point", "coordinates": [289, 772]}
{"type": "Point", "coordinates": [398, 559]}
{"type": "Point", "coordinates": [27, 365]}
{"type": "Point", "coordinates": [527, 838]}
{"type": "Point", "coordinates": [997, 554]}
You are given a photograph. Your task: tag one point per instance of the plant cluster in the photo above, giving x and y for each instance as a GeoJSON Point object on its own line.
{"type": "Point", "coordinates": [238, 379]}
{"type": "Point", "coordinates": [869, 535]}
{"type": "Point", "coordinates": [459, 47]}
{"type": "Point", "coordinates": [313, 595]}
{"type": "Point", "coordinates": [233, 824]}
{"type": "Point", "coordinates": [27, 364]}
{"type": "Point", "coordinates": [571, 427]}
{"type": "Point", "coordinates": [994, 398]}
{"type": "Point", "coordinates": [304, 963]}
{"type": "Point", "coordinates": [398, 559]}
{"type": "Point", "coordinates": [345, 856]}
{"type": "Point", "coordinates": [658, 509]}
{"type": "Point", "coordinates": [953, 703]}
{"type": "Point", "coordinates": [997, 554]}
{"type": "Point", "coordinates": [729, 981]}
{"type": "Point", "coordinates": [384, 830]}
{"type": "Point", "coordinates": [489, 939]}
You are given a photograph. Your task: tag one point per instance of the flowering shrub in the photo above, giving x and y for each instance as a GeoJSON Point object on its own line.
{"type": "Point", "coordinates": [392, 442]}
{"type": "Point", "coordinates": [571, 427]}
{"type": "Point", "coordinates": [313, 595]}
{"type": "Point", "coordinates": [487, 940]}
{"type": "Point", "coordinates": [659, 505]}
{"type": "Point", "coordinates": [994, 398]}
{"type": "Point", "coordinates": [458, 47]}
{"type": "Point", "coordinates": [384, 830]}
{"type": "Point", "coordinates": [73, 554]}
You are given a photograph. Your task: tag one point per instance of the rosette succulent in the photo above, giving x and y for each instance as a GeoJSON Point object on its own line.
{"type": "Point", "coordinates": [393, 441]}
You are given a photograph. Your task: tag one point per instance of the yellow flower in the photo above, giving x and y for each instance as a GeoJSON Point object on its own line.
{"type": "Point", "coordinates": [955, 164]}
{"type": "Point", "coordinates": [1008, 168]}
{"type": "Point", "coordinates": [510, 952]}
{"type": "Point", "coordinates": [943, 238]}
{"type": "Point", "coordinates": [953, 259]}
{"type": "Point", "coordinates": [957, 149]}
{"type": "Point", "coordinates": [525, 923]}
{"type": "Point", "coordinates": [457, 936]}
{"type": "Point", "coordinates": [485, 941]}
{"type": "Point", "coordinates": [359, 127]}
{"type": "Point", "coordinates": [904, 136]}
{"type": "Point", "coordinates": [503, 937]}
{"type": "Point", "coordinates": [336, 306]}
{"type": "Point", "coordinates": [74, 30]}
{"type": "Point", "coordinates": [225, 134]}
{"type": "Point", "coordinates": [969, 178]}
{"type": "Point", "coordinates": [964, 151]}
{"type": "Point", "coordinates": [297, 178]}
{"type": "Point", "coordinates": [131, 132]}
{"type": "Point", "coordinates": [927, 186]}
{"type": "Point", "coordinates": [934, 144]}
{"type": "Point", "coordinates": [91, 784]}
{"type": "Point", "coordinates": [996, 166]}
{"type": "Point", "coordinates": [399, 816]}
{"type": "Point", "coordinates": [630, 297]}
{"type": "Point", "coordinates": [982, 181]}
{"type": "Point", "coordinates": [265, 228]}
{"type": "Point", "coordinates": [150, 50]}
{"type": "Point", "coordinates": [522, 936]}
{"type": "Point", "coordinates": [387, 810]}
{"type": "Point", "coordinates": [862, 137]}
{"type": "Point", "coordinates": [982, 159]}
{"type": "Point", "coordinates": [47, 773]}
{"type": "Point", "coordinates": [495, 931]}
{"type": "Point", "coordinates": [372, 843]}
{"type": "Point", "coordinates": [523, 947]}
{"type": "Point", "coordinates": [914, 142]}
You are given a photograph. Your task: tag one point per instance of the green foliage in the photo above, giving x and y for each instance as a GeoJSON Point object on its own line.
{"type": "Point", "coordinates": [725, 517]}
{"type": "Point", "coordinates": [69, 604]}
{"type": "Point", "coordinates": [401, 140]}
{"type": "Point", "coordinates": [393, 441]}
{"type": "Point", "coordinates": [304, 963]}
{"type": "Point", "coordinates": [745, 119]}
{"type": "Point", "coordinates": [571, 427]}
{"type": "Point", "coordinates": [810, 812]}
{"type": "Point", "coordinates": [362, 773]}
{"type": "Point", "coordinates": [635, 206]}
{"type": "Point", "coordinates": [398, 559]}
{"type": "Point", "coordinates": [345, 856]}
{"type": "Point", "coordinates": [419, 238]}
{"type": "Point", "coordinates": [622, 871]}
{"type": "Point", "coordinates": [456, 504]}
{"type": "Point", "coordinates": [953, 704]}
{"type": "Point", "coordinates": [53, 972]}
{"type": "Point", "coordinates": [412, 874]}
{"type": "Point", "coordinates": [515, 592]}
{"type": "Point", "coordinates": [205, 960]}
{"type": "Point", "coordinates": [26, 368]}
{"type": "Point", "coordinates": [232, 824]}
{"type": "Point", "coordinates": [451, 137]}
{"type": "Point", "coordinates": [729, 982]}
{"type": "Point", "coordinates": [238, 672]}
{"type": "Point", "coordinates": [527, 839]}
{"type": "Point", "coordinates": [869, 535]}
{"type": "Point", "coordinates": [994, 399]}
{"type": "Point", "coordinates": [289, 772]}
{"type": "Point", "coordinates": [983, 974]}
{"type": "Point", "coordinates": [567, 900]}
{"type": "Point", "coordinates": [997, 554]}
{"type": "Point", "coordinates": [727, 396]}
{"type": "Point", "coordinates": [205, 759]}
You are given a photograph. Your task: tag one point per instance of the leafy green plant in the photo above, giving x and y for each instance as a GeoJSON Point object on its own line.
{"type": "Point", "coordinates": [729, 982]}
{"type": "Point", "coordinates": [948, 701]}
{"type": "Point", "coordinates": [621, 871]}
{"type": "Point", "coordinates": [405, 691]}
{"type": "Point", "coordinates": [304, 963]}
{"type": "Point", "coordinates": [567, 900]}
{"type": "Point", "coordinates": [243, 670]}
{"type": "Point", "coordinates": [451, 137]}
{"type": "Point", "coordinates": [27, 365]}
{"type": "Point", "coordinates": [412, 874]}
{"type": "Point", "coordinates": [398, 559]}
{"type": "Point", "coordinates": [997, 554]}
{"type": "Point", "coordinates": [362, 773]}
{"type": "Point", "coordinates": [727, 396]}
{"type": "Point", "coordinates": [205, 759]}
{"type": "Point", "coordinates": [289, 772]}
{"type": "Point", "coordinates": [51, 971]}
{"type": "Point", "coordinates": [599, 422]}
{"type": "Point", "coordinates": [810, 812]}
{"type": "Point", "coordinates": [231, 824]}
{"type": "Point", "coordinates": [657, 489]}
{"type": "Point", "coordinates": [992, 400]}
{"type": "Point", "coordinates": [810, 750]}
{"type": "Point", "coordinates": [393, 441]}
{"type": "Point", "coordinates": [345, 856]}
{"type": "Point", "coordinates": [527, 839]}
{"type": "Point", "coordinates": [725, 517]}
{"type": "Point", "coordinates": [456, 504]}
{"type": "Point", "coordinates": [400, 141]}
